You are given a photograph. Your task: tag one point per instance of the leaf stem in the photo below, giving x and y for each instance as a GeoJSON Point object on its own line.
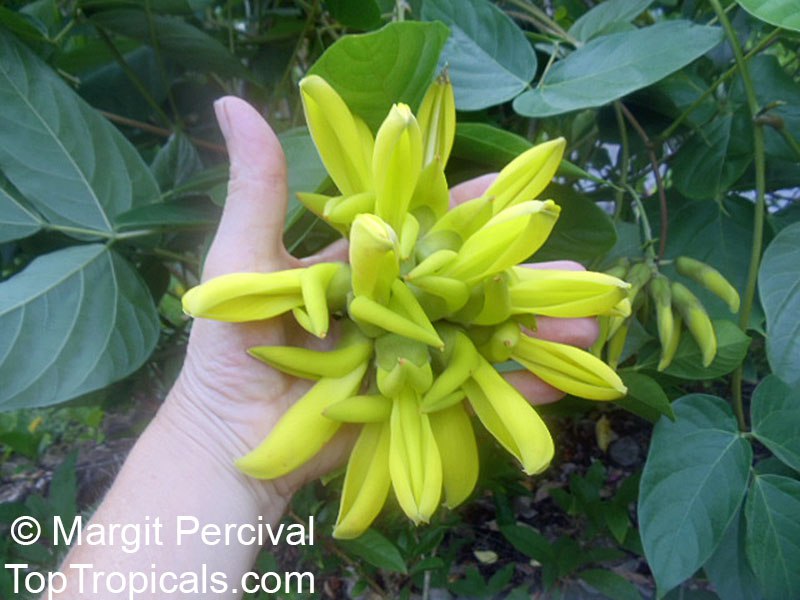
{"type": "Point", "coordinates": [667, 133]}
{"type": "Point", "coordinates": [662, 194]}
{"type": "Point", "coordinates": [111, 236]}
{"type": "Point", "coordinates": [159, 130]}
{"type": "Point", "coordinates": [625, 160]}
{"type": "Point", "coordinates": [647, 231]}
{"type": "Point", "coordinates": [760, 205]}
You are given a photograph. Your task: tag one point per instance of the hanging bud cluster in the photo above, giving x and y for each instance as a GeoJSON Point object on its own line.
{"type": "Point", "coordinates": [676, 309]}
{"type": "Point", "coordinates": [430, 300]}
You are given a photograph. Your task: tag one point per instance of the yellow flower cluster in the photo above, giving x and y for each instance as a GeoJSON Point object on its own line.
{"type": "Point", "coordinates": [431, 298]}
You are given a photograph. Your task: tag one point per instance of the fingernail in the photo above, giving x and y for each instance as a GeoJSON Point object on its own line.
{"type": "Point", "coordinates": [220, 110]}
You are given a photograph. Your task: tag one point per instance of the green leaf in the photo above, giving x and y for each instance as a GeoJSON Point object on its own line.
{"type": "Point", "coordinates": [773, 535]}
{"type": "Point", "coordinates": [610, 584]}
{"type": "Point", "coordinates": [775, 89]}
{"type": "Point", "coordinates": [693, 483]}
{"type": "Point", "coordinates": [71, 164]}
{"type": "Point", "coordinates": [732, 345]}
{"type": "Point", "coordinates": [108, 87]}
{"type": "Point", "coordinates": [176, 162]}
{"type": "Point", "coordinates": [781, 13]}
{"type": "Point", "coordinates": [645, 397]}
{"type": "Point", "coordinates": [606, 15]}
{"type": "Point", "coordinates": [711, 161]}
{"type": "Point", "coordinates": [23, 25]}
{"type": "Point", "coordinates": [306, 171]}
{"type": "Point", "coordinates": [583, 231]}
{"type": "Point", "coordinates": [372, 71]}
{"type": "Point", "coordinates": [487, 144]}
{"type": "Point", "coordinates": [63, 492]}
{"type": "Point", "coordinates": [529, 541]}
{"type": "Point", "coordinates": [359, 14]}
{"type": "Point", "coordinates": [75, 320]}
{"type": "Point", "coordinates": [781, 219]}
{"type": "Point", "coordinates": [177, 39]}
{"type": "Point", "coordinates": [378, 551]}
{"type": "Point", "coordinates": [177, 214]}
{"type": "Point", "coordinates": [675, 94]}
{"type": "Point", "coordinates": [775, 412]}
{"type": "Point", "coordinates": [16, 221]}
{"type": "Point", "coordinates": [487, 55]}
{"type": "Point", "coordinates": [728, 568]}
{"type": "Point", "coordinates": [779, 289]}
{"type": "Point", "coordinates": [491, 146]}
{"type": "Point", "coordinates": [612, 66]}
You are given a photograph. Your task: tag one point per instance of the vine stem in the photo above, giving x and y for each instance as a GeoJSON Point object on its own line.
{"type": "Point", "coordinates": [159, 131]}
{"type": "Point", "coordinates": [760, 206]}
{"type": "Point", "coordinates": [662, 194]}
{"type": "Point", "coordinates": [667, 133]}
{"type": "Point", "coordinates": [110, 236]}
{"type": "Point", "coordinates": [647, 231]}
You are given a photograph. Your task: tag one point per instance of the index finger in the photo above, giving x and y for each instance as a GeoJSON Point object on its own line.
{"type": "Point", "coordinates": [472, 188]}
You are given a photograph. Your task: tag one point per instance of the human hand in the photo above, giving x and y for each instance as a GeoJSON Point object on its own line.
{"type": "Point", "coordinates": [231, 400]}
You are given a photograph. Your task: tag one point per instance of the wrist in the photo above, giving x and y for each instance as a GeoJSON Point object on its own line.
{"type": "Point", "coordinates": [211, 445]}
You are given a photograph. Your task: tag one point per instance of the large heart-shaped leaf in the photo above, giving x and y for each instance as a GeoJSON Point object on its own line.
{"type": "Point", "coordinates": [775, 410]}
{"type": "Point", "coordinates": [98, 318]}
{"type": "Point", "coordinates": [487, 55]}
{"type": "Point", "coordinates": [72, 165]}
{"type": "Point", "coordinates": [783, 13]}
{"type": "Point", "coordinates": [612, 66]}
{"type": "Point", "coordinates": [728, 568]}
{"type": "Point", "coordinates": [692, 485]}
{"type": "Point", "coordinates": [779, 288]}
{"type": "Point", "coordinates": [374, 70]}
{"type": "Point", "coordinates": [776, 89]}
{"type": "Point", "coordinates": [708, 164]}
{"type": "Point", "coordinates": [773, 535]}
{"type": "Point", "coordinates": [16, 221]}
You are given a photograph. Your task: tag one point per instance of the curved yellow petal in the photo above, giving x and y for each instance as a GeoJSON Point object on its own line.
{"type": "Point", "coordinates": [303, 430]}
{"type": "Point", "coordinates": [396, 164]}
{"type": "Point", "coordinates": [366, 482]}
{"type": "Point", "coordinates": [526, 176]}
{"type": "Point", "coordinates": [239, 297]}
{"type": "Point", "coordinates": [455, 439]}
{"type": "Point", "coordinates": [510, 418]}
{"type": "Point", "coordinates": [337, 135]}
{"type": "Point", "coordinates": [569, 369]}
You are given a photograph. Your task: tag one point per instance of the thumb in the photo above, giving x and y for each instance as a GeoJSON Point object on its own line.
{"type": "Point", "coordinates": [249, 236]}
